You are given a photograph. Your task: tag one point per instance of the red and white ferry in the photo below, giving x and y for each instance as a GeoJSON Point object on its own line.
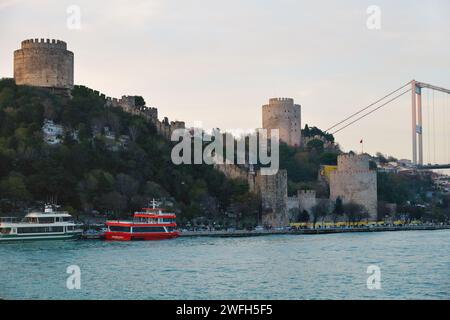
{"type": "Point", "coordinates": [149, 224]}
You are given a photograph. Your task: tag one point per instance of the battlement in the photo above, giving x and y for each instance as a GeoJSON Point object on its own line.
{"type": "Point", "coordinates": [44, 43]}
{"type": "Point", "coordinates": [306, 192]}
{"type": "Point", "coordinates": [277, 100]}
{"type": "Point", "coordinates": [128, 104]}
{"type": "Point", "coordinates": [353, 162]}
{"type": "Point", "coordinates": [353, 156]}
{"type": "Point", "coordinates": [44, 63]}
{"type": "Point", "coordinates": [282, 114]}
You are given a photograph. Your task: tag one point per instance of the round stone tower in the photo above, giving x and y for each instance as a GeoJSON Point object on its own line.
{"type": "Point", "coordinates": [44, 63]}
{"type": "Point", "coordinates": [284, 115]}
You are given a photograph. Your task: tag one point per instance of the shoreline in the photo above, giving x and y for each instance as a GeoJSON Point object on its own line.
{"type": "Point", "coordinates": [244, 233]}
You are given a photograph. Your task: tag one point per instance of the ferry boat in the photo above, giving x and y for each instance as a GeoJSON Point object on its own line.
{"type": "Point", "coordinates": [148, 224]}
{"type": "Point", "coordinates": [47, 225]}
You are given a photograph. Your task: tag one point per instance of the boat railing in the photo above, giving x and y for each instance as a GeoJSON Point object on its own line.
{"type": "Point", "coordinates": [9, 219]}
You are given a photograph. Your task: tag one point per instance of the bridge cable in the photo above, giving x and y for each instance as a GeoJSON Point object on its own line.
{"type": "Point", "coordinates": [372, 111]}
{"type": "Point", "coordinates": [365, 108]}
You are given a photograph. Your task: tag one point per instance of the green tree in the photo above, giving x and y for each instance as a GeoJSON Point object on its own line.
{"type": "Point", "coordinates": [139, 101]}
{"type": "Point", "coordinates": [14, 188]}
{"type": "Point", "coordinates": [320, 211]}
{"type": "Point", "coordinates": [338, 210]}
{"type": "Point", "coordinates": [355, 212]}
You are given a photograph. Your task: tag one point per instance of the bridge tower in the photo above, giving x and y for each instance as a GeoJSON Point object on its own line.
{"type": "Point", "coordinates": [417, 127]}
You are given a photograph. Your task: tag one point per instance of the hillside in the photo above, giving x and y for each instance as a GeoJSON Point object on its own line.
{"type": "Point", "coordinates": [109, 161]}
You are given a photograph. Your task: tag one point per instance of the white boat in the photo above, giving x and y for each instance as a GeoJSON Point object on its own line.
{"type": "Point", "coordinates": [47, 225]}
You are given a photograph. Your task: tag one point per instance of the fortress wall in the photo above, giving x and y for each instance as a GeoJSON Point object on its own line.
{"type": "Point", "coordinates": [232, 171]}
{"type": "Point", "coordinates": [353, 181]}
{"type": "Point", "coordinates": [306, 199]}
{"type": "Point", "coordinates": [353, 162]}
{"type": "Point", "coordinates": [284, 115]}
{"type": "Point", "coordinates": [44, 63]}
{"type": "Point", "coordinates": [273, 191]}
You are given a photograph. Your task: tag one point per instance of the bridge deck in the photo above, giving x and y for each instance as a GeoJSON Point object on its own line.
{"type": "Point", "coordinates": [433, 166]}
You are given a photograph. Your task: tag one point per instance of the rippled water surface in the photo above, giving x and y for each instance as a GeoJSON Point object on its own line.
{"type": "Point", "coordinates": [414, 265]}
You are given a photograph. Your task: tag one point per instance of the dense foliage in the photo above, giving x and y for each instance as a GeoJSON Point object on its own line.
{"type": "Point", "coordinates": [402, 188]}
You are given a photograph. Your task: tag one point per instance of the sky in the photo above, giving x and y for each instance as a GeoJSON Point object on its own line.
{"type": "Point", "coordinates": [217, 62]}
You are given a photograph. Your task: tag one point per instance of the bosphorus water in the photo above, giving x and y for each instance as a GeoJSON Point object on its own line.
{"type": "Point", "coordinates": [413, 264]}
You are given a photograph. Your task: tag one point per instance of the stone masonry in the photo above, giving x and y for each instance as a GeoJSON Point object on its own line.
{"type": "Point", "coordinates": [44, 63]}
{"type": "Point", "coordinates": [271, 188]}
{"type": "Point", "coordinates": [284, 115]}
{"type": "Point", "coordinates": [354, 181]}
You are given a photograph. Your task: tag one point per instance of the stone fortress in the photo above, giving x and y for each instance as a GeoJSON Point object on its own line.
{"type": "Point", "coordinates": [44, 63]}
{"type": "Point", "coordinates": [284, 115]}
{"type": "Point", "coordinates": [48, 64]}
{"type": "Point", "coordinates": [351, 180]}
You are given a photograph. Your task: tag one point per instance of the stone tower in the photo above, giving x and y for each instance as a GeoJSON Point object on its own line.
{"type": "Point", "coordinates": [44, 63]}
{"type": "Point", "coordinates": [354, 181]}
{"type": "Point", "coordinates": [283, 114]}
{"type": "Point", "coordinates": [273, 192]}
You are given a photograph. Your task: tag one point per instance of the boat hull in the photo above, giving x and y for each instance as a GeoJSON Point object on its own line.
{"type": "Point", "coordinates": [35, 237]}
{"type": "Point", "coordinates": [126, 236]}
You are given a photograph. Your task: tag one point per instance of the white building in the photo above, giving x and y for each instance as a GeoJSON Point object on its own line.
{"type": "Point", "coordinates": [53, 133]}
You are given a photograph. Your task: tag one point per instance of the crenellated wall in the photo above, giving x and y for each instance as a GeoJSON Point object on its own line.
{"type": "Point", "coordinates": [284, 115]}
{"type": "Point", "coordinates": [128, 104]}
{"type": "Point", "coordinates": [44, 63]}
{"type": "Point", "coordinates": [306, 200]}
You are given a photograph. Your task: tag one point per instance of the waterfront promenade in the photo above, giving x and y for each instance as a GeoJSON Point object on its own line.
{"type": "Point", "coordinates": [254, 233]}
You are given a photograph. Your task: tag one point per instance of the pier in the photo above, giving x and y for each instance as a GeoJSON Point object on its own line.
{"type": "Point", "coordinates": [253, 233]}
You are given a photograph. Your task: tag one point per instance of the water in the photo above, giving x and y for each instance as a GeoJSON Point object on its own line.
{"type": "Point", "coordinates": [414, 265]}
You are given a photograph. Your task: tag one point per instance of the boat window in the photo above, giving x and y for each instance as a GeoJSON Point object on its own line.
{"type": "Point", "coordinates": [149, 229]}
{"type": "Point", "coordinates": [9, 219]}
{"type": "Point", "coordinates": [119, 229]}
{"type": "Point", "coordinates": [39, 229]}
{"type": "Point", "coordinates": [5, 230]}
{"type": "Point", "coordinates": [67, 219]}
{"type": "Point", "coordinates": [168, 220]}
{"type": "Point", "coordinates": [170, 229]}
{"type": "Point", "coordinates": [46, 220]}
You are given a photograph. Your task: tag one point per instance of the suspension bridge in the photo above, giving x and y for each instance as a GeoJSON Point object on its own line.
{"type": "Point", "coordinates": [430, 122]}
